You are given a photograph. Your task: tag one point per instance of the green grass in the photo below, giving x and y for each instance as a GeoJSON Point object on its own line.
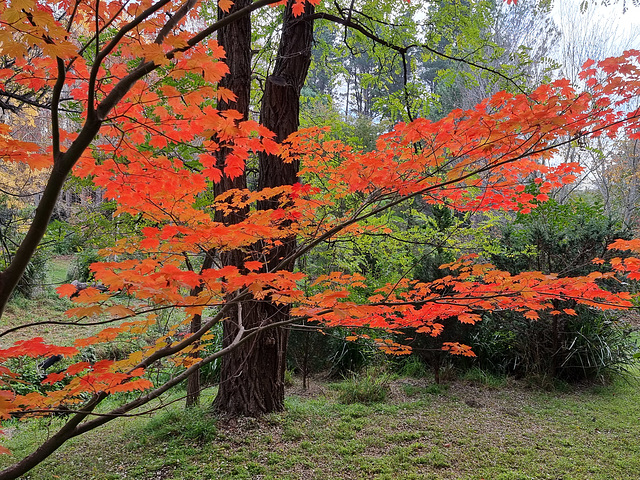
{"type": "Point", "coordinates": [508, 432]}
{"type": "Point", "coordinates": [477, 375]}
{"type": "Point", "coordinates": [369, 427]}
{"type": "Point", "coordinates": [57, 268]}
{"type": "Point", "coordinates": [369, 386]}
{"type": "Point", "coordinates": [47, 306]}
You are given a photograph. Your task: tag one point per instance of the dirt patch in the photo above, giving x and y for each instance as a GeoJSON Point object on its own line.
{"type": "Point", "coordinates": [316, 387]}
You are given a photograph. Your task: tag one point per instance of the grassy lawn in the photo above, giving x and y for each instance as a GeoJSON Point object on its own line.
{"type": "Point", "coordinates": [466, 431]}
{"type": "Point", "coordinates": [46, 308]}
{"type": "Point", "coordinates": [477, 427]}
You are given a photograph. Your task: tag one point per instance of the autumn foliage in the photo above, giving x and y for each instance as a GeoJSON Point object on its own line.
{"type": "Point", "coordinates": [147, 134]}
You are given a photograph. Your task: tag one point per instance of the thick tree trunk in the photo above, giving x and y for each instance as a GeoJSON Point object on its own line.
{"type": "Point", "coordinates": [252, 376]}
{"type": "Point", "coordinates": [235, 38]}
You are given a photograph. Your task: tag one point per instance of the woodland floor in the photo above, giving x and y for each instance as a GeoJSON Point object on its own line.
{"type": "Point", "coordinates": [466, 429]}
{"type": "Point", "coordinates": [474, 427]}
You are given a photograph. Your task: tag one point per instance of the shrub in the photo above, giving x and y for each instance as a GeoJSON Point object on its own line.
{"type": "Point", "coordinates": [411, 366]}
{"type": "Point", "coordinates": [80, 266]}
{"type": "Point", "coordinates": [194, 424]}
{"type": "Point", "coordinates": [588, 346]}
{"type": "Point", "coordinates": [65, 238]}
{"type": "Point", "coordinates": [561, 238]}
{"type": "Point", "coordinates": [310, 351]}
{"type": "Point", "coordinates": [371, 386]}
{"type": "Point", "coordinates": [33, 277]}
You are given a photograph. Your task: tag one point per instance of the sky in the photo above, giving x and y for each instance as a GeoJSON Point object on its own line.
{"type": "Point", "coordinates": [598, 32]}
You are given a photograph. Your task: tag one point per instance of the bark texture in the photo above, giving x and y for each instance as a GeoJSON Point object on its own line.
{"type": "Point", "coordinates": [235, 38]}
{"type": "Point", "coordinates": [252, 376]}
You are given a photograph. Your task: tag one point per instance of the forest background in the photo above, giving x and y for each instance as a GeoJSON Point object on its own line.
{"type": "Point", "coordinates": [220, 243]}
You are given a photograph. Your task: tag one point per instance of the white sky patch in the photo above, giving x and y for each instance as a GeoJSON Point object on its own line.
{"type": "Point", "coordinates": [595, 32]}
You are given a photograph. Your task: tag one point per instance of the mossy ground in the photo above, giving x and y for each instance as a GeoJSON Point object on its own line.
{"type": "Point", "coordinates": [467, 431]}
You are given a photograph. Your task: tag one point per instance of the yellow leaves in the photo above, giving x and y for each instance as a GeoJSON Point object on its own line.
{"type": "Point", "coordinates": [152, 52]}
{"type": "Point", "coordinates": [134, 358]}
{"type": "Point", "coordinates": [64, 50]}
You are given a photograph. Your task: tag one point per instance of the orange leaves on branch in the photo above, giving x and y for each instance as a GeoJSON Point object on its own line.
{"type": "Point", "coordinates": [473, 160]}
{"type": "Point", "coordinates": [77, 368]}
{"type": "Point", "coordinates": [390, 347]}
{"type": "Point", "coordinates": [458, 349]}
{"type": "Point", "coordinates": [253, 265]}
{"type": "Point", "coordinates": [66, 290]}
{"type": "Point", "coordinates": [35, 347]}
{"type": "Point", "coordinates": [631, 245]}
{"type": "Point", "coordinates": [470, 318]}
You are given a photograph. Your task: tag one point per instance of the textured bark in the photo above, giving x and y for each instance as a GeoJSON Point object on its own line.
{"type": "Point", "coordinates": [252, 376]}
{"type": "Point", "coordinates": [235, 38]}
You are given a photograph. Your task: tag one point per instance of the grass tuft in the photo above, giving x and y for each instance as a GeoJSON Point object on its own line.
{"type": "Point", "coordinates": [370, 386]}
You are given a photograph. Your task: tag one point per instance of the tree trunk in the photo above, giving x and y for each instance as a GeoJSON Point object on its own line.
{"type": "Point", "coordinates": [235, 38]}
{"type": "Point", "coordinates": [252, 376]}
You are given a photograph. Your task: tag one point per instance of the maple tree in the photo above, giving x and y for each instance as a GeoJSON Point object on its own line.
{"type": "Point", "coordinates": [142, 84]}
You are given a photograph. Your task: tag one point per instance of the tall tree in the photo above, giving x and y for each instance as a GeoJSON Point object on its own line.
{"type": "Point", "coordinates": [252, 376]}
{"type": "Point", "coordinates": [235, 39]}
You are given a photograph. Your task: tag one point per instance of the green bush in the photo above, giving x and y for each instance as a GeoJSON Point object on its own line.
{"type": "Point", "coordinates": [588, 346]}
{"type": "Point", "coordinates": [80, 266]}
{"type": "Point", "coordinates": [370, 386]}
{"type": "Point", "coordinates": [411, 366]}
{"type": "Point", "coordinates": [194, 424]}
{"type": "Point", "coordinates": [33, 277]}
{"type": "Point", "coordinates": [561, 239]}
{"type": "Point", "coordinates": [310, 351]}
{"type": "Point", "coordinates": [65, 238]}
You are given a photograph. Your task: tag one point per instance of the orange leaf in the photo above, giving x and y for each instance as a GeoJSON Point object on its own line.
{"type": "Point", "coordinates": [66, 290]}
{"type": "Point", "coordinates": [77, 368]}
{"type": "Point", "coordinates": [225, 5]}
{"type": "Point", "coordinates": [53, 378]}
{"type": "Point", "coordinates": [253, 265]}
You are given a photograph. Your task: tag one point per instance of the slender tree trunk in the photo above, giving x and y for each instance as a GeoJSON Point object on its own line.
{"type": "Point", "coordinates": [235, 38]}
{"type": "Point", "coordinates": [252, 376]}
